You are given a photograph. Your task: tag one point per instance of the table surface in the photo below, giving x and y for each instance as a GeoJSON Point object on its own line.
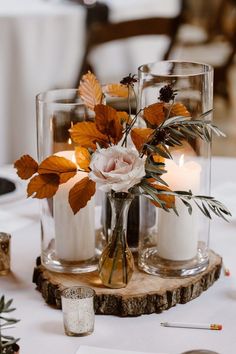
{"type": "Point", "coordinates": [41, 328]}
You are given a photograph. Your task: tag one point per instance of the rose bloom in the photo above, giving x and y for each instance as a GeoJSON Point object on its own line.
{"type": "Point", "coordinates": [116, 168]}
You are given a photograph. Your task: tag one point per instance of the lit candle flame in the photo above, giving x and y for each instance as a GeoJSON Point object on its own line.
{"type": "Point", "coordinates": [69, 141]}
{"type": "Point", "coordinates": [73, 159]}
{"type": "Point", "coordinates": [51, 125]}
{"type": "Point", "coordinates": [181, 160]}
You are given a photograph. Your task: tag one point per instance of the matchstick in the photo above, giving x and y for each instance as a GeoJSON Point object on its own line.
{"type": "Point", "coordinates": [212, 326]}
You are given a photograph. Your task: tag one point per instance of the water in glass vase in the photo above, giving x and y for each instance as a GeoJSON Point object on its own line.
{"type": "Point", "coordinates": [116, 263]}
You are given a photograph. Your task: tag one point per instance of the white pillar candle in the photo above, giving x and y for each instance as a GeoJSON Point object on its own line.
{"type": "Point", "coordinates": [178, 235]}
{"type": "Point", "coordinates": [74, 234]}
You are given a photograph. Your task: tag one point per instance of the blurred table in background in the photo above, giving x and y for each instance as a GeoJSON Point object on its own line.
{"type": "Point", "coordinates": [41, 45]}
{"type": "Point", "coordinates": [41, 48]}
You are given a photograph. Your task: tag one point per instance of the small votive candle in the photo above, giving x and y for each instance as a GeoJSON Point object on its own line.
{"type": "Point", "coordinates": [5, 242]}
{"type": "Point", "coordinates": [78, 310]}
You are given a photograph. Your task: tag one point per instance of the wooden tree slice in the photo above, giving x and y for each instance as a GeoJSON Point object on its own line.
{"type": "Point", "coordinates": [144, 294]}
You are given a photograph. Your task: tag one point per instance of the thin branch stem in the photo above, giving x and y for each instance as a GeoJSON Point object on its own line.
{"type": "Point", "coordinates": [129, 127]}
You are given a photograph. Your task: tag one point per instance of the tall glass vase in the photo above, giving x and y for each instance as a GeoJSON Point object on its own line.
{"type": "Point", "coordinates": [68, 241]}
{"type": "Point", "coordinates": [116, 263]}
{"type": "Point", "coordinates": [178, 245]}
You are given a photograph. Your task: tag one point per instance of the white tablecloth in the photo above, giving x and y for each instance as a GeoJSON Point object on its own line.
{"type": "Point", "coordinates": [38, 51]}
{"type": "Point", "coordinates": [41, 48]}
{"type": "Point", "coordinates": [41, 328]}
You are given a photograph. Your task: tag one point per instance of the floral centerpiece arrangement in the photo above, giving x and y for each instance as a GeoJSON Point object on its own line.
{"type": "Point", "coordinates": [124, 159]}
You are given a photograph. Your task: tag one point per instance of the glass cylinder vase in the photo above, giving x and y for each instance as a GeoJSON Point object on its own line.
{"type": "Point", "coordinates": [69, 242]}
{"type": "Point", "coordinates": [116, 264]}
{"type": "Point", "coordinates": [174, 245]}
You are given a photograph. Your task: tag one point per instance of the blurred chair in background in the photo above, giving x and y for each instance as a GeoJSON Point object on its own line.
{"type": "Point", "coordinates": [209, 35]}
{"type": "Point", "coordinates": [210, 39]}
{"type": "Point", "coordinates": [193, 35]}
{"type": "Point", "coordinates": [101, 33]}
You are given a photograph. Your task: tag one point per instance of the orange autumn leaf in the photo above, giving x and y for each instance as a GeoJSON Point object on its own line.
{"type": "Point", "coordinates": [81, 193]}
{"type": "Point", "coordinates": [90, 90]}
{"type": "Point", "coordinates": [82, 157]}
{"type": "Point", "coordinates": [43, 186]}
{"type": "Point", "coordinates": [178, 109]}
{"type": "Point", "coordinates": [154, 114]}
{"type": "Point", "coordinates": [61, 166]}
{"type": "Point", "coordinates": [86, 134]}
{"type": "Point", "coordinates": [116, 90]}
{"type": "Point", "coordinates": [107, 122]}
{"type": "Point", "coordinates": [123, 117]}
{"type": "Point", "coordinates": [140, 136]}
{"type": "Point", "coordinates": [104, 115]}
{"type": "Point", "coordinates": [168, 199]}
{"type": "Point", "coordinates": [158, 158]}
{"type": "Point", "coordinates": [26, 166]}
{"type": "Point", "coordinates": [151, 180]}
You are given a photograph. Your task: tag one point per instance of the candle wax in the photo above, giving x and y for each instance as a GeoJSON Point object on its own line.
{"type": "Point", "coordinates": [178, 235]}
{"type": "Point", "coordinates": [74, 234]}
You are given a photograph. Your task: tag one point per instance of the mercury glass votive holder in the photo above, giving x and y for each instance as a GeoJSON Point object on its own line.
{"type": "Point", "coordinates": [5, 242]}
{"type": "Point", "coordinates": [78, 310]}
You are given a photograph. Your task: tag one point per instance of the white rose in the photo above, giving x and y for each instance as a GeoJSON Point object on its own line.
{"type": "Point", "coordinates": [116, 168]}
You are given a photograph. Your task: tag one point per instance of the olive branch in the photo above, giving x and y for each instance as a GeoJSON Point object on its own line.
{"type": "Point", "coordinates": [170, 133]}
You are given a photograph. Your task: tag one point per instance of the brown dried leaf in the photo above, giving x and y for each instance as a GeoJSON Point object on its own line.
{"type": "Point", "coordinates": [154, 114]}
{"type": "Point", "coordinates": [168, 199]}
{"type": "Point", "coordinates": [104, 115]}
{"type": "Point", "coordinates": [87, 135]}
{"type": "Point", "coordinates": [158, 158]}
{"type": "Point", "coordinates": [43, 186]}
{"type": "Point", "coordinates": [108, 122]}
{"type": "Point", "coordinates": [123, 117]}
{"type": "Point", "coordinates": [178, 109]}
{"type": "Point", "coordinates": [90, 90]}
{"type": "Point", "coordinates": [81, 193]}
{"type": "Point", "coordinates": [140, 136]}
{"type": "Point", "coordinates": [61, 166]}
{"type": "Point", "coordinates": [26, 167]}
{"type": "Point", "coordinates": [83, 157]}
{"type": "Point", "coordinates": [116, 90]}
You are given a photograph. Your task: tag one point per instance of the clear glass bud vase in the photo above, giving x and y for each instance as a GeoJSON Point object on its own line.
{"type": "Point", "coordinates": [116, 263]}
